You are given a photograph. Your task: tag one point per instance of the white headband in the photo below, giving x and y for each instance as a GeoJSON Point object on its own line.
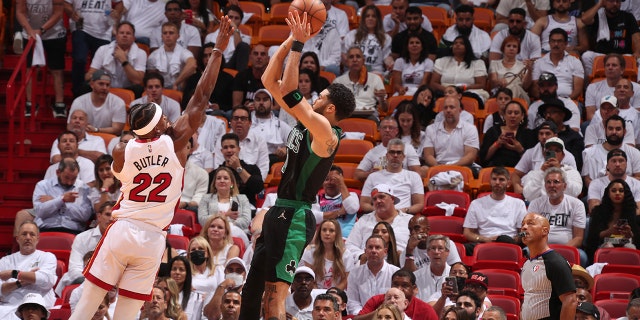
{"type": "Point", "coordinates": [152, 124]}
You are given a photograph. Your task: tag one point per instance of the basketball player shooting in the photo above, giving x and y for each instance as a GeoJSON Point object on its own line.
{"type": "Point", "coordinates": [151, 168]}
{"type": "Point", "coordinates": [311, 146]}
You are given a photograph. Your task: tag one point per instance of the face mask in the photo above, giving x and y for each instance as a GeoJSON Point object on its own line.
{"type": "Point", "coordinates": [238, 279]}
{"type": "Point", "coordinates": [197, 257]}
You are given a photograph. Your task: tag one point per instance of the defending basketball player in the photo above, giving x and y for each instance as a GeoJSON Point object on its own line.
{"type": "Point", "coordinates": [289, 225]}
{"type": "Point", "coordinates": [151, 168]}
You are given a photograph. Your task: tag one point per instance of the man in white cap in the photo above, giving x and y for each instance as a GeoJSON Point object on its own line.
{"type": "Point", "coordinates": [554, 153]}
{"type": "Point", "coordinates": [299, 303]}
{"type": "Point", "coordinates": [32, 308]}
{"type": "Point", "coordinates": [596, 131]}
{"type": "Point", "coordinates": [384, 198]}
{"type": "Point", "coordinates": [235, 274]}
{"type": "Point", "coordinates": [273, 131]}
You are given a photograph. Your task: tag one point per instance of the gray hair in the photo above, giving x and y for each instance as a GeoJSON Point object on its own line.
{"type": "Point", "coordinates": [435, 237]}
{"type": "Point", "coordinates": [68, 163]}
{"type": "Point", "coordinates": [556, 170]}
{"type": "Point", "coordinates": [501, 314]}
{"type": "Point", "coordinates": [395, 142]}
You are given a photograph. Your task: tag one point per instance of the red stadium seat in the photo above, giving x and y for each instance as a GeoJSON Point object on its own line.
{"type": "Point", "coordinates": [614, 286]}
{"type": "Point", "coordinates": [187, 218]}
{"type": "Point", "coordinates": [58, 243]}
{"type": "Point", "coordinates": [432, 198]}
{"type": "Point", "coordinates": [616, 308]}
{"type": "Point", "coordinates": [503, 282]}
{"type": "Point", "coordinates": [448, 226]}
{"type": "Point", "coordinates": [568, 252]}
{"type": "Point", "coordinates": [352, 150]}
{"type": "Point", "coordinates": [238, 242]}
{"type": "Point", "coordinates": [66, 292]}
{"type": "Point", "coordinates": [510, 305]}
{"type": "Point", "coordinates": [178, 242]}
{"type": "Point", "coordinates": [626, 256]}
{"type": "Point", "coordinates": [497, 255]}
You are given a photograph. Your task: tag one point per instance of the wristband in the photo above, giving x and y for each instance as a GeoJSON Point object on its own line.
{"type": "Point", "coordinates": [410, 258]}
{"type": "Point", "coordinates": [14, 274]}
{"type": "Point", "coordinates": [42, 30]}
{"type": "Point", "coordinates": [124, 64]}
{"type": "Point", "coordinates": [104, 190]}
{"type": "Point", "coordinates": [217, 50]}
{"type": "Point", "coordinates": [409, 255]}
{"type": "Point", "coordinates": [18, 284]}
{"type": "Point", "coordinates": [297, 46]}
{"type": "Point", "coordinates": [293, 98]}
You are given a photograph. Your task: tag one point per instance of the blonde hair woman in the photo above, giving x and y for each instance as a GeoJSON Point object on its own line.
{"type": "Point", "coordinates": [204, 275]}
{"type": "Point", "coordinates": [388, 311]}
{"type": "Point", "coordinates": [217, 232]}
{"type": "Point", "coordinates": [224, 200]}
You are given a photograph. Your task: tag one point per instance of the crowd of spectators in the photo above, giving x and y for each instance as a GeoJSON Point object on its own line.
{"type": "Point", "coordinates": [373, 255]}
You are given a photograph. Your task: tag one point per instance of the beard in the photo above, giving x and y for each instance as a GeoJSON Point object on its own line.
{"type": "Point", "coordinates": [614, 140]}
{"type": "Point", "coordinates": [464, 31]}
{"type": "Point", "coordinates": [262, 112]}
{"type": "Point", "coordinates": [548, 95]}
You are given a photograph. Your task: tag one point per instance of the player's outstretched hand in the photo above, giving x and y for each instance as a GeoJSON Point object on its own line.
{"type": "Point", "coordinates": [224, 33]}
{"type": "Point", "coordinates": [300, 28]}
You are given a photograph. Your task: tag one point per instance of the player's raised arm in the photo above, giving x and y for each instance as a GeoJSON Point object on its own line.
{"type": "Point", "coordinates": [286, 93]}
{"type": "Point", "coordinates": [193, 113]}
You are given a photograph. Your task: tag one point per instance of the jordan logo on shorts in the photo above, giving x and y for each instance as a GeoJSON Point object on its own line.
{"type": "Point", "coordinates": [281, 216]}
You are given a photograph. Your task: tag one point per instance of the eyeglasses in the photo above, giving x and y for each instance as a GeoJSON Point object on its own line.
{"type": "Point", "coordinates": [553, 182]}
{"type": "Point", "coordinates": [395, 152]}
{"type": "Point", "coordinates": [388, 128]}
{"type": "Point", "coordinates": [236, 118]}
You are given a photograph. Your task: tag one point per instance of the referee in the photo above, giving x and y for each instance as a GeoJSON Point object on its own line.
{"type": "Point", "coordinates": [549, 290]}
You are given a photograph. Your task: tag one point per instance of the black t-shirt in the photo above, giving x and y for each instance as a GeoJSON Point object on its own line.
{"type": "Point", "coordinates": [399, 42]}
{"type": "Point", "coordinates": [247, 83]}
{"type": "Point", "coordinates": [621, 29]}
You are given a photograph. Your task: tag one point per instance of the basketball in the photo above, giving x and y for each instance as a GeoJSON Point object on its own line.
{"type": "Point", "coordinates": [316, 12]}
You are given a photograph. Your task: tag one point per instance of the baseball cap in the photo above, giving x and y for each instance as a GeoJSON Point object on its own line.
{"type": "Point", "coordinates": [100, 74]}
{"type": "Point", "coordinates": [547, 77]}
{"type": "Point", "coordinates": [588, 308]}
{"type": "Point", "coordinates": [550, 125]}
{"type": "Point", "coordinates": [384, 188]}
{"type": "Point", "coordinates": [236, 260]}
{"type": "Point", "coordinates": [32, 298]}
{"type": "Point", "coordinates": [610, 100]}
{"type": "Point", "coordinates": [557, 103]}
{"type": "Point", "coordinates": [478, 278]}
{"type": "Point", "coordinates": [263, 91]}
{"type": "Point", "coordinates": [554, 141]}
{"type": "Point", "coordinates": [577, 270]}
{"type": "Point", "coordinates": [305, 269]}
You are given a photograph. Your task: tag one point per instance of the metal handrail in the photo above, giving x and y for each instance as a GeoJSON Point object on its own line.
{"type": "Point", "coordinates": [16, 97]}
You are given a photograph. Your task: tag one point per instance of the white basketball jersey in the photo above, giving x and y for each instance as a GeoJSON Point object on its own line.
{"type": "Point", "coordinates": [152, 179]}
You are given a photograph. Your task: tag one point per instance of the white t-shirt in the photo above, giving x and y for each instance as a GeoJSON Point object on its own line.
{"type": "Point", "coordinates": [112, 110]}
{"type": "Point", "coordinates": [146, 15]}
{"type": "Point", "coordinates": [231, 47]}
{"type": "Point", "coordinates": [505, 6]}
{"type": "Point", "coordinates": [95, 16]}
{"type": "Point", "coordinates": [104, 60]}
{"type": "Point", "coordinates": [480, 39]}
{"type": "Point", "coordinates": [599, 89]}
{"type": "Point", "coordinates": [454, 73]}
{"type": "Point", "coordinates": [189, 37]}
{"type": "Point", "coordinates": [374, 52]}
{"type": "Point", "coordinates": [495, 217]}
{"type": "Point", "coordinates": [405, 184]}
{"type": "Point", "coordinates": [595, 160]}
{"type": "Point", "coordinates": [388, 24]}
{"type": "Point", "coordinates": [337, 19]}
{"type": "Point", "coordinates": [374, 156]}
{"type": "Point", "coordinates": [533, 158]}
{"type": "Point", "coordinates": [412, 74]}
{"type": "Point", "coordinates": [449, 146]}
{"type": "Point", "coordinates": [562, 217]}
{"type": "Point", "coordinates": [632, 121]}
{"type": "Point", "coordinates": [428, 283]}
{"type": "Point", "coordinates": [596, 134]}
{"type": "Point", "coordinates": [89, 143]}
{"type": "Point", "coordinates": [170, 107]}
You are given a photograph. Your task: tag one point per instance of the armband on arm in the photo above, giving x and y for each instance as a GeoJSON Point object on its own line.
{"type": "Point", "coordinates": [293, 98]}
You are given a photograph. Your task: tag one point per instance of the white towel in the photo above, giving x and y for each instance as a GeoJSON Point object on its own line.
{"type": "Point", "coordinates": [447, 207]}
{"type": "Point", "coordinates": [603, 26]}
{"type": "Point", "coordinates": [174, 65]}
{"type": "Point", "coordinates": [38, 53]}
{"type": "Point", "coordinates": [447, 180]}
